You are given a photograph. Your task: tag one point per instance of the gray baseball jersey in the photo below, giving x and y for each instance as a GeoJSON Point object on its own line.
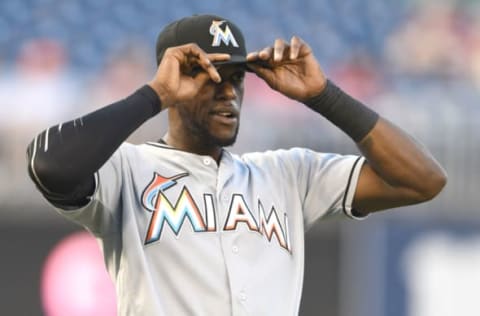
{"type": "Point", "coordinates": [182, 235]}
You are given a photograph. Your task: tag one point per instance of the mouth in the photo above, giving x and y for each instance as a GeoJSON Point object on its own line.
{"type": "Point", "coordinates": [225, 116]}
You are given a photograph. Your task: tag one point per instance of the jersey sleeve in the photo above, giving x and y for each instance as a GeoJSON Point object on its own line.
{"type": "Point", "coordinates": [327, 183]}
{"type": "Point", "coordinates": [101, 215]}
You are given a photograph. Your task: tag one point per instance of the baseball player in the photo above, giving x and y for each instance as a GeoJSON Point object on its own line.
{"type": "Point", "coordinates": [185, 226]}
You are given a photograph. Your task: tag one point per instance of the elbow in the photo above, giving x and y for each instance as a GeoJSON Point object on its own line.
{"type": "Point", "coordinates": [38, 171]}
{"type": "Point", "coordinates": [434, 184]}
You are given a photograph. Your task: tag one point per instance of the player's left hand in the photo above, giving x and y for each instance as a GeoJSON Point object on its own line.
{"type": "Point", "coordinates": [290, 68]}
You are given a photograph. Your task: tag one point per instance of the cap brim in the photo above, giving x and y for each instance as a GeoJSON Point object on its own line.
{"type": "Point", "coordinates": [235, 60]}
{"type": "Point", "coordinates": [241, 60]}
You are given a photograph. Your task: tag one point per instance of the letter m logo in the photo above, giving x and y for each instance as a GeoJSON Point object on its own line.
{"type": "Point", "coordinates": [220, 35]}
{"type": "Point", "coordinates": [155, 201]}
{"type": "Point", "coordinates": [174, 216]}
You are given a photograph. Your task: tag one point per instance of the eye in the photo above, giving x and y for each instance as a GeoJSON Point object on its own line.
{"type": "Point", "coordinates": [238, 77]}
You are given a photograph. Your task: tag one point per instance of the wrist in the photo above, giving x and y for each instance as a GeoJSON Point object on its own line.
{"type": "Point", "coordinates": [158, 92]}
{"type": "Point", "coordinates": [321, 86]}
{"type": "Point", "coordinates": [149, 93]}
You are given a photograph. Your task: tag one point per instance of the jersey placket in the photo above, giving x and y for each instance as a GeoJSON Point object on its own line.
{"type": "Point", "coordinates": [230, 247]}
{"type": "Point", "coordinates": [230, 250]}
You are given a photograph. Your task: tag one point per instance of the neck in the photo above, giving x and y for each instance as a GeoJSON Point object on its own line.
{"type": "Point", "coordinates": [194, 146]}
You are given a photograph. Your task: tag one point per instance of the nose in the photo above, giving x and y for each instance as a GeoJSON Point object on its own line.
{"type": "Point", "coordinates": [226, 91]}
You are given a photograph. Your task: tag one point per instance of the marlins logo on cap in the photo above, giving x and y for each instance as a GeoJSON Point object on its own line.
{"type": "Point", "coordinates": [211, 33]}
{"type": "Point", "coordinates": [220, 35]}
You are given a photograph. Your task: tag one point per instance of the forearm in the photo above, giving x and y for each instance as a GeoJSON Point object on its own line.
{"type": "Point", "coordinates": [398, 170]}
{"type": "Point", "coordinates": [402, 162]}
{"type": "Point", "coordinates": [67, 155]}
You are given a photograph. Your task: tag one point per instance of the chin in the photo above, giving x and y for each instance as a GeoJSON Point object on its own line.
{"type": "Point", "coordinates": [225, 142]}
{"type": "Point", "coordinates": [224, 139]}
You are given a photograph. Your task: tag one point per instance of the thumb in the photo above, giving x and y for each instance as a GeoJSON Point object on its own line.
{"type": "Point", "coordinates": [263, 71]}
{"type": "Point", "coordinates": [203, 77]}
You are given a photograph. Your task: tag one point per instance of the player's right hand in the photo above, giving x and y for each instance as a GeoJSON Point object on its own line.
{"type": "Point", "coordinates": [179, 77]}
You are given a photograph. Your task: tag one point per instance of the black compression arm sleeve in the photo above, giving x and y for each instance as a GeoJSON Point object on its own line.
{"type": "Point", "coordinates": [63, 159]}
{"type": "Point", "coordinates": [350, 115]}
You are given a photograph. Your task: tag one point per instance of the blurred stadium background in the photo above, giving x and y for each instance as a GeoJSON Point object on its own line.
{"type": "Point", "coordinates": [417, 62]}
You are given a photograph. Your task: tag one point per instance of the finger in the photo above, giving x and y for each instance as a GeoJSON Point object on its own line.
{"type": "Point", "coordinates": [255, 66]}
{"type": "Point", "coordinates": [279, 49]}
{"type": "Point", "coordinates": [194, 55]}
{"type": "Point", "coordinates": [266, 53]}
{"type": "Point", "coordinates": [210, 67]}
{"type": "Point", "coordinates": [204, 66]}
{"type": "Point", "coordinates": [259, 70]}
{"type": "Point", "coordinates": [259, 63]}
{"type": "Point", "coordinates": [266, 74]}
{"type": "Point", "coordinates": [217, 57]}
{"type": "Point", "coordinates": [252, 56]}
{"type": "Point", "coordinates": [205, 61]}
{"type": "Point", "coordinates": [295, 46]}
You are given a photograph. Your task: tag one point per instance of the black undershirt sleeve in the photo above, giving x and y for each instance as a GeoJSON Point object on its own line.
{"type": "Point", "coordinates": [63, 159]}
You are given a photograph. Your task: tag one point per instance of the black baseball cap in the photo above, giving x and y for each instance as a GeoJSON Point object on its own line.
{"type": "Point", "coordinates": [212, 33]}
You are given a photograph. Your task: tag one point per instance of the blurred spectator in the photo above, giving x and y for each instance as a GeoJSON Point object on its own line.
{"type": "Point", "coordinates": [36, 92]}
{"type": "Point", "coordinates": [360, 76]}
{"type": "Point", "coordinates": [127, 68]}
{"type": "Point", "coordinates": [473, 60]}
{"type": "Point", "coordinates": [430, 43]}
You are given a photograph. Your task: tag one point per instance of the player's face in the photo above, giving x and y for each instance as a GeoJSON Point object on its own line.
{"type": "Point", "coordinates": [213, 118]}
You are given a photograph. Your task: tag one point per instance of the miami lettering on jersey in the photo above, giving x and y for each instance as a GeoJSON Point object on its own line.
{"type": "Point", "coordinates": [174, 215]}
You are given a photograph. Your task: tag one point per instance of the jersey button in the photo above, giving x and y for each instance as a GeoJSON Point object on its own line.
{"type": "Point", "coordinates": [243, 296]}
{"type": "Point", "coordinates": [235, 249]}
{"type": "Point", "coordinates": [207, 161]}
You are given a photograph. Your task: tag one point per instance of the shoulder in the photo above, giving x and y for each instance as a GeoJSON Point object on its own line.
{"type": "Point", "coordinates": [125, 150]}
{"type": "Point", "coordinates": [127, 153]}
{"type": "Point", "coordinates": [275, 159]}
{"type": "Point", "coordinates": [294, 154]}
{"type": "Point", "coordinates": [129, 149]}
{"type": "Point", "coordinates": [297, 158]}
